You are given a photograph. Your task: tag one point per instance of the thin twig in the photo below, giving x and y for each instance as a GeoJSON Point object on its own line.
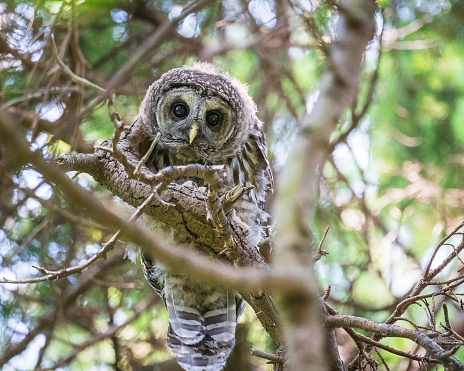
{"type": "Point", "coordinates": [320, 253]}
{"type": "Point", "coordinates": [326, 292]}
{"type": "Point", "coordinates": [147, 155]}
{"type": "Point", "coordinates": [359, 339]}
{"type": "Point", "coordinates": [440, 244]}
{"type": "Point", "coordinates": [382, 359]}
{"type": "Point", "coordinates": [68, 71]}
{"type": "Point", "coordinates": [68, 271]}
{"type": "Point", "coordinates": [269, 356]}
{"type": "Point", "coordinates": [448, 324]}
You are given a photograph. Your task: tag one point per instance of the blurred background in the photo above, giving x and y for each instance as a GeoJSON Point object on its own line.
{"type": "Point", "coordinates": [391, 188]}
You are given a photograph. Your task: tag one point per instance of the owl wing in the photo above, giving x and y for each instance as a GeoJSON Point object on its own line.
{"type": "Point", "coordinates": [154, 274]}
{"type": "Point", "coordinates": [251, 167]}
{"type": "Point", "coordinates": [261, 144]}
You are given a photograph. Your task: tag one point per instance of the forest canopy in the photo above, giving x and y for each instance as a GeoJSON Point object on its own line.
{"type": "Point", "coordinates": [362, 104]}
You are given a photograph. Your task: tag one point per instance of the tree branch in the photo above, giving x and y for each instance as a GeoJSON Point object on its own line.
{"type": "Point", "coordinates": [178, 258]}
{"type": "Point", "coordinates": [296, 185]}
{"type": "Point", "coordinates": [434, 349]}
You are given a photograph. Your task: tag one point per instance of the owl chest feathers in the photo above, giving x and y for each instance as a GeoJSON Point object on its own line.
{"type": "Point", "coordinates": [202, 320]}
{"type": "Point", "coordinates": [248, 166]}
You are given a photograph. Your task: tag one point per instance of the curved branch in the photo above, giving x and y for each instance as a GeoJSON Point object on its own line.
{"type": "Point", "coordinates": [386, 330]}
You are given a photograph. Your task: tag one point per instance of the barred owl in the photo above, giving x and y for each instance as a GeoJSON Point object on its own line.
{"type": "Point", "coordinates": [205, 117]}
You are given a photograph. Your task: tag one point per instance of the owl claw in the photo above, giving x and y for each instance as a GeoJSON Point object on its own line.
{"type": "Point", "coordinates": [243, 227]}
{"type": "Point", "coordinates": [190, 184]}
{"type": "Point", "coordinates": [209, 218]}
{"type": "Point", "coordinates": [234, 193]}
{"type": "Point", "coordinates": [203, 191]}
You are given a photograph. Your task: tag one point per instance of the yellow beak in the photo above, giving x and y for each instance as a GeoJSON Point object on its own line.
{"type": "Point", "coordinates": [193, 132]}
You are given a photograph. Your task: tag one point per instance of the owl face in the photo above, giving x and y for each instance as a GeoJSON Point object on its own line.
{"type": "Point", "coordinates": [194, 123]}
{"type": "Point", "coordinates": [203, 116]}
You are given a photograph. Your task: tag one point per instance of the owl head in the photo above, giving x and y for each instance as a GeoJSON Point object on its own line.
{"type": "Point", "coordinates": [202, 115]}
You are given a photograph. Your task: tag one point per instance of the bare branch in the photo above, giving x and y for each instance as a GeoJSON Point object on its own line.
{"type": "Point", "coordinates": [176, 257]}
{"type": "Point", "coordinates": [444, 356]}
{"type": "Point", "coordinates": [320, 253]}
{"type": "Point", "coordinates": [146, 155]}
{"type": "Point", "coordinates": [68, 71]}
{"type": "Point", "coordinates": [294, 205]}
{"type": "Point", "coordinates": [270, 357]}
{"type": "Point", "coordinates": [65, 272]}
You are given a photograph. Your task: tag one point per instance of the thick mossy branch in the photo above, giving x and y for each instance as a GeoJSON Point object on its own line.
{"type": "Point", "coordinates": [187, 215]}
{"type": "Point", "coordinates": [184, 210]}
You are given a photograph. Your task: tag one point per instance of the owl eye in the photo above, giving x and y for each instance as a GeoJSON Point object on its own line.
{"type": "Point", "coordinates": [180, 110]}
{"type": "Point", "coordinates": [213, 118]}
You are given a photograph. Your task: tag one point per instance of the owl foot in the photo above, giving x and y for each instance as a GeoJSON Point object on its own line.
{"type": "Point", "coordinates": [243, 227]}
{"type": "Point", "coordinates": [190, 184]}
{"type": "Point", "coordinates": [234, 194]}
{"type": "Point", "coordinates": [203, 191]}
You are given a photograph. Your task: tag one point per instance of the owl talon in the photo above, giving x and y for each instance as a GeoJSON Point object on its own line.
{"type": "Point", "coordinates": [190, 184]}
{"type": "Point", "coordinates": [234, 193]}
{"type": "Point", "coordinates": [203, 191]}
{"type": "Point", "coordinates": [209, 218]}
{"type": "Point", "coordinates": [243, 227]}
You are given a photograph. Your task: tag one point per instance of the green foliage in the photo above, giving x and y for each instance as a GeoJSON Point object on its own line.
{"type": "Point", "coordinates": [390, 191]}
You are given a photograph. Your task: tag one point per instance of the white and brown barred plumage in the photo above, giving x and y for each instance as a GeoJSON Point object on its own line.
{"type": "Point", "coordinates": [208, 118]}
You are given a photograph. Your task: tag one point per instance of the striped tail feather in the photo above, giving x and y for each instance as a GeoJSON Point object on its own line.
{"type": "Point", "coordinates": [201, 324]}
{"type": "Point", "coordinates": [186, 323]}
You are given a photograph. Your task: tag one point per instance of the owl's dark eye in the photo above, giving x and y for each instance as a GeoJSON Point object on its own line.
{"type": "Point", "coordinates": [180, 110]}
{"type": "Point", "coordinates": [213, 118]}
